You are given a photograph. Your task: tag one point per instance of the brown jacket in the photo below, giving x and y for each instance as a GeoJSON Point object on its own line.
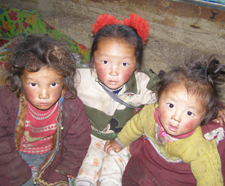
{"type": "Point", "coordinates": [72, 140]}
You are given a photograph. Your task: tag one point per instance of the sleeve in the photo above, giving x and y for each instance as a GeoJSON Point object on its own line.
{"type": "Point", "coordinates": [147, 82]}
{"type": "Point", "coordinates": [207, 169]}
{"type": "Point", "coordinates": [13, 169]}
{"type": "Point", "coordinates": [76, 140]}
{"type": "Point", "coordinates": [202, 155]}
{"type": "Point", "coordinates": [135, 127]}
{"type": "Point", "coordinates": [154, 79]}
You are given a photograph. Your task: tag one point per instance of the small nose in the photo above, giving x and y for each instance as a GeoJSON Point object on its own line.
{"type": "Point", "coordinates": [114, 71]}
{"type": "Point", "coordinates": [176, 117]}
{"type": "Point", "coordinates": [44, 94]}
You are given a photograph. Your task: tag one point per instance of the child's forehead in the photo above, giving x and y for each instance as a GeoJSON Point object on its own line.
{"type": "Point", "coordinates": [174, 88]}
{"type": "Point", "coordinates": [183, 86]}
{"type": "Point", "coordinates": [47, 70]}
{"type": "Point", "coordinates": [188, 91]}
{"type": "Point", "coordinates": [110, 45]}
{"type": "Point", "coordinates": [114, 40]}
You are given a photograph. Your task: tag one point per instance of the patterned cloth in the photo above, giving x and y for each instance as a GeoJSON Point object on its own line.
{"type": "Point", "coordinates": [99, 165]}
{"type": "Point", "coordinates": [15, 24]}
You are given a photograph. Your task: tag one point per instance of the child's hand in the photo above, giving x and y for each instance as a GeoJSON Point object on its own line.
{"type": "Point", "coordinates": [221, 117]}
{"type": "Point", "coordinates": [112, 145]}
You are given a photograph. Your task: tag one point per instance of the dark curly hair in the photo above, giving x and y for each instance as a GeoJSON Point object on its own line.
{"type": "Point", "coordinates": [123, 33]}
{"type": "Point", "coordinates": [36, 51]}
{"type": "Point", "coordinates": [202, 78]}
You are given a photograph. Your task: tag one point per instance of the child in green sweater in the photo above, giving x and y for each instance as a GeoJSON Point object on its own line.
{"type": "Point", "coordinates": [175, 151]}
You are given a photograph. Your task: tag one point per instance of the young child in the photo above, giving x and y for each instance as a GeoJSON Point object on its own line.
{"type": "Point", "coordinates": [111, 90]}
{"type": "Point", "coordinates": [45, 132]}
{"type": "Point", "coordinates": [175, 151]}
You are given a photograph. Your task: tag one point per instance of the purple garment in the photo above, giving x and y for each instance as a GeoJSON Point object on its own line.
{"type": "Point", "coordinates": [72, 143]}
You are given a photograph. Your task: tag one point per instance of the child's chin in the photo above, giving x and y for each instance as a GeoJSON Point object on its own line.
{"type": "Point", "coordinates": [113, 87]}
{"type": "Point", "coordinates": [43, 107]}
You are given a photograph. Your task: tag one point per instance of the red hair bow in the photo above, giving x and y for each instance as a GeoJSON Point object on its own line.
{"type": "Point", "coordinates": [137, 22]}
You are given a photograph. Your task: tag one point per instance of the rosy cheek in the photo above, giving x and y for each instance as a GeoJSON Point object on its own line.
{"type": "Point", "coordinates": [29, 94]}
{"type": "Point", "coordinates": [101, 72]}
{"type": "Point", "coordinates": [55, 97]}
{"type": "Point", "coordinates": [127, 74]}
{"type": "Point", "coordinates": [190, 125]}
{"type": "Point", "coordinates": [163, 112]}
{"type": "Point", "coordinates": [163, 115]}
{"type": "Point", "coordinates": [57, 94]}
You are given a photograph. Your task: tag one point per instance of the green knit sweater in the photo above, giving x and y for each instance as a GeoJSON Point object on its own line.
{"type": "Point", "coordinates": [202, 155]}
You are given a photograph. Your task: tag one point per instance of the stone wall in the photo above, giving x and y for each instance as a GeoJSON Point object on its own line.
{"type": "Point", "coordinates": [177, 30]}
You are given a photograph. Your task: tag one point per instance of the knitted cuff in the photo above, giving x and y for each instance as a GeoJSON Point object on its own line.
{"type": "Point", "coordinates": [119, 143]}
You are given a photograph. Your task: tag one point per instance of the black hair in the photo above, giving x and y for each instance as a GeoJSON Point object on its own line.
{"type": "Point", "coordinates": [200, 77]}
{"type": "Point", "coordinates": [36, 51]}
{"type": "Point", "coordinates": [123, 33]}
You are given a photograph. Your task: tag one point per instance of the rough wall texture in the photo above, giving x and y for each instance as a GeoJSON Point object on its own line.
{"type": "Point", "coordinates": [177, 30]}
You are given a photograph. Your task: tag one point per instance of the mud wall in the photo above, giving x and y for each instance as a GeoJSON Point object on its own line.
{"type": "Point", "coordinates": [177, 30]}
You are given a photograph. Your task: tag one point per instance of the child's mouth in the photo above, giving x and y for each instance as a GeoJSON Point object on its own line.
{"type": "Point", "coordinates": [43, 104]}
{"type": "Point", "coordinates": [112, 82]}
{"type": "Point", "coordinates": [172, 128]}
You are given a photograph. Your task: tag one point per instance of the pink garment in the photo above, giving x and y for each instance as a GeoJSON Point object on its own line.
{"type": "Point", "coordinates": [40, 126]}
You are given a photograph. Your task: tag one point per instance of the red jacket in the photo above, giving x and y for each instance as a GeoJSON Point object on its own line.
{"type": "Point", "coordinates": [70, 147]}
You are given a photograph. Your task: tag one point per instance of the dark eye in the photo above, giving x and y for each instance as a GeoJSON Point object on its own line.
{"type": "Point", "coordinates": [170, 105]}
{"type": "Point", "coordinates": [189, 113]}
{"type": "Point", "coordinates": [53, 84]}
{"type": "Point", "coordinates": [105, 62]}
{"type": "Point", "coordinates": [33, 84]}
{"type": "Point", "coordinates": [124, 64]}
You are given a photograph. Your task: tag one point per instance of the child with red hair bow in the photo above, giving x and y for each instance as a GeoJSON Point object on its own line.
{"type": "Point", "coordinates": [112, 89]}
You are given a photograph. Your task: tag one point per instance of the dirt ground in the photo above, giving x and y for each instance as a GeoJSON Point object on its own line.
{"type": "Point", "coordinates": [177, 31]}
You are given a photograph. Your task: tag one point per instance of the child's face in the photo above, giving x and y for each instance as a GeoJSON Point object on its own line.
{"type": "Point", "coordinates": [114, 61]}
{"type": "Point", "coordinates": [43, 88]}
{"type": "Point", "coordinates": [179, 112]}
